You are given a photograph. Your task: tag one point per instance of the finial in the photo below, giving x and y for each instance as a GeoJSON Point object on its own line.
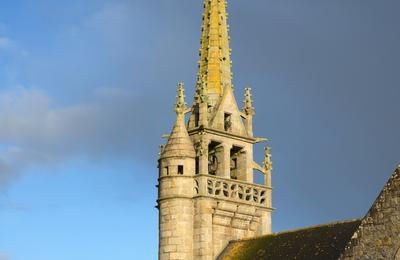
{"type": "Point", "coordinates": [180, 105]}
{"type": "Point", "coordinates": [268, 159]}
{"type": "Point", "coordinates": [248, 102]}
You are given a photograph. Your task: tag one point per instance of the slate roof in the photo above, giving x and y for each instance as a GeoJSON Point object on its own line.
{"type": "Point", "coordinates": [318, 242]}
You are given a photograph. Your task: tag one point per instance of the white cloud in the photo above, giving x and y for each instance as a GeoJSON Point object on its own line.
{"type": "Point", "coordinates": [33, 132]}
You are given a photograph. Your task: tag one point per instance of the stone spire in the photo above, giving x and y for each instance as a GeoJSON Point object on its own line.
{"type": "Point", "coordinates": [179, 143]}
{"type": "Point", "coordinates": [267, 159]}
{"type": "Point", "coordinates": [248, 102]}
{"type": "Point", "coordinates": [248, 110]}
{"type": "Point", "coordinates": [267, 166]}
{"type": "Point", "coordinates": [215, 54]}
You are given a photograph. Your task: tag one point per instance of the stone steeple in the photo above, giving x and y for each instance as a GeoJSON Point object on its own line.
{"type": "Point", "coordinates": [207, 195]}
{"type": "Point", "coordinates": [215, 53]}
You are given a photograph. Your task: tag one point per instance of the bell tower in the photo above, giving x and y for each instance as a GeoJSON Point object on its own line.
{"type": "Point", "coordinates": [207, 195]}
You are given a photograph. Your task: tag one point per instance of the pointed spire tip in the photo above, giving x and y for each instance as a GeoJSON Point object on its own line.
{"type": "Point", "coordinates": [180, 105]}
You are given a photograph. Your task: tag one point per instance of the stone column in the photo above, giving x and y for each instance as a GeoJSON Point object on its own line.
{"type": "Point", "coordinates": [202, 154]}
{"type": "Point", "coordinates": [265, 227]}
{"type": "Point", "coordinates": [248, 122]}
{"type": "Point", "coordinates": [203, 114]}
{"type": "Point", "coordinates": [267, 179]}
{"type": "Point", "coordinates": [249, 163]}
{"type": "Point", "coordinates": [223, 153]}
{"type": "Point", "coordinates": [245, 165]}
{"type": "Point", "coordinates": [242, 166]}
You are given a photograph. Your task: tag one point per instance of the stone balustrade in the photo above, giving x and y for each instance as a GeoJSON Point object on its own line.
{"type": "Point", "coordinates": [232, 190]}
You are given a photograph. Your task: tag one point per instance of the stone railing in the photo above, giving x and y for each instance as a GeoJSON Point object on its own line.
{"type": "Point", "coordinates": [238, 191]}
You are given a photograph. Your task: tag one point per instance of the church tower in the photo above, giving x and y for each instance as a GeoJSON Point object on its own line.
{"type": "Point", "coordinates": [206, 193]}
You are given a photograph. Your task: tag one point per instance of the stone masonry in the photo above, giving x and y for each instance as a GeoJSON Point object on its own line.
{"type": "Point", "coordinates": [378, 236]}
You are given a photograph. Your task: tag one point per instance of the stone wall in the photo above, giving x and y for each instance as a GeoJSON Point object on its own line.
{"type": "Point", "coordinates": [203, 228]}
{"type": "Point", "coordinates": [176, 213]}
{"type": "Point", "coordinates": [216, 222]}
{"type": "Point", "coordinates": [176, 229]}
{"type": "Point", "coordinates": [378, 236]}
{"type": "Point", "coordinates": [232, 221]}
{"type": "Point", "coordinates": [226, 210]}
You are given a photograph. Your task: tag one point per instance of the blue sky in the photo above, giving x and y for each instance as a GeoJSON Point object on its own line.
{"type": "Point", "coordinates": [87, 89]}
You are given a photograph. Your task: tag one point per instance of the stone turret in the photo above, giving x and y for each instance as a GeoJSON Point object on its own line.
{"type": "Point", "coordinates": [177, 167]}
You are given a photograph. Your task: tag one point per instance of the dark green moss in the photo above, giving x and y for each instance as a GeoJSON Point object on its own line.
{"type": "Point", "coordinates": [319, 242]}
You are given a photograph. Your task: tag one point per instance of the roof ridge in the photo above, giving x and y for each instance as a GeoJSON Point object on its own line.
{"type": "Point", "coordinates": [300, 229]}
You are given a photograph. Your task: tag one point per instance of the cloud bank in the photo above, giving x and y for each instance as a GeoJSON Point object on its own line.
{"type": "Point", "coordinates": [35, 132]}
{"type": "Point", "coordinates": [63, 114]}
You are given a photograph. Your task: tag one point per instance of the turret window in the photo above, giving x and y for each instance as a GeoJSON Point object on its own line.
{"type": "Point", "coordinates": [197, 165]}
{"type": "Point", "coordinates": [180, 169]}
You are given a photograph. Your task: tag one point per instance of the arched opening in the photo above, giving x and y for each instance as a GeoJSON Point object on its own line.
{"type": "Point", "coordinates": [212, 158]}
{"type": "Point", "coordinates": [227, 122]}
{"type": "Point", "coordinates": [235, 162]}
